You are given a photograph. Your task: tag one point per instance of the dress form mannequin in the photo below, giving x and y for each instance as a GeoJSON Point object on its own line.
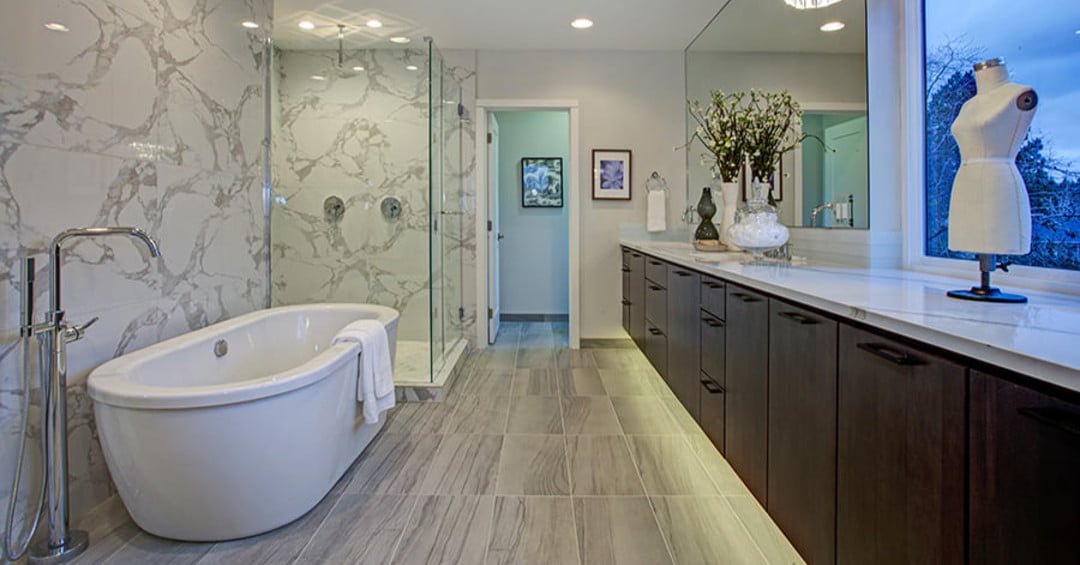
{"type": "Point", "coordinates": [989, 212]}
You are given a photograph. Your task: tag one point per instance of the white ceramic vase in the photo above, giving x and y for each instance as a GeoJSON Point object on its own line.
{"type": "Point", "coordinates": [729, 197]}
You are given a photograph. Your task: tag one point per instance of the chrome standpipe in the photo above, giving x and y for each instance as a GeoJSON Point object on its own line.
{"type": "Point", "coordinates": [62, 544]}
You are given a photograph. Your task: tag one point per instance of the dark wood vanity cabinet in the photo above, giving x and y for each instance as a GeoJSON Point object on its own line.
{"type": "Point", "coordinates": [1024, 485]}
{"type": "Point", "coordinates": [900, 454]}
{"type": "Point", "coordinates": [802, 428]}
{"type": "Point", "coordinates": [746, 374]}
{"type": "Point", "coordinates": [683, 365]}
{"type": "Point", "coordinates": [712, 382]}
{"type": "Point", "coordinates": [634, 296]}
{"type": "Point", "coordinates": [656, 318]}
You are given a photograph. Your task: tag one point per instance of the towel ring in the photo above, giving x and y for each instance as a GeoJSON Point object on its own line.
{"type": "Point", "coordinates": [655, 183]}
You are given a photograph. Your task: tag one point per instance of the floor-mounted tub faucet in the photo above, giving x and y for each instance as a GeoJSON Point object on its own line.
{"type": "Point", "coordinates": [61, 544]}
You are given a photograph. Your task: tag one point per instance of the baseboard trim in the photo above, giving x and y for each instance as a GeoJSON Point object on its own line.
{"type": "Point", "coordinates": [534, 317]}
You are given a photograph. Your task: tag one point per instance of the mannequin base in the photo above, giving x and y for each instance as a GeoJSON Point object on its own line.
{"type": "Point", "coordinates": [987, 294]}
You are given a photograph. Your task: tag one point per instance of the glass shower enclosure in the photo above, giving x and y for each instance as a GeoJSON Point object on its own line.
{"type": "Point", "coordinates": [366, 191]}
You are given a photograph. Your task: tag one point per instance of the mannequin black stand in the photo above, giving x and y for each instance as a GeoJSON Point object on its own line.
{"type": "Point", "coordinates": [985, 292]}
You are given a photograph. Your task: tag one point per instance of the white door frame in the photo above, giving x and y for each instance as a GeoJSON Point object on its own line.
{"type": "Point", "coordinates": [483, 107]}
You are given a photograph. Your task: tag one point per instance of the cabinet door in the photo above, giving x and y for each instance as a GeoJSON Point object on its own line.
{"type": "Point", "coordinates": [712, 296]}
{"type": "Point", "coordinates": [637, 298]}
{"type": "Point", "coordinates": [656, 305]}
{"type": "Point", "coordinates": [802, 429]}
{"type": "Point", "coordinates": [683, 312]}
{"type": "Point", "coordinates": [1025, 475]}
{"type": "Point", "coordinates": [656, 348]}
{"type": "Point", "coordinates": [712, 411]}
{"type": "Point", "coordinates": [626, 297]}
{"type": "Point", "coordinates": [900, 465]}
{"type": "Point", "coordinates": [712, 332]}
{"type": "Point", "coordinates": [746, 372]}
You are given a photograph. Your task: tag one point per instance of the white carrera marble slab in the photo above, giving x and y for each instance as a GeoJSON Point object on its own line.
{"type": "Point", "coordinates": [1040, 339]}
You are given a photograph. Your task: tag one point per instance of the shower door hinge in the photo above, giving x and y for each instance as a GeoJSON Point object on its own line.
{"type": "Point", "coordinates": [461, 110]}
{"type": "Point", "coordinates": [461, 313]}
{"type": "Point", "coordinates": [491, 314]}
{"type": "Point", "coordinates": [490, 137]}
{"type": "Point", "coordinates": [490, 226]}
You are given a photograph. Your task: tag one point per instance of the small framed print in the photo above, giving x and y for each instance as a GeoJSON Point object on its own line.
{"type": "Point", "coordinates": [541, 182]}
{"type": "Point", "coordinates": [611, 174]}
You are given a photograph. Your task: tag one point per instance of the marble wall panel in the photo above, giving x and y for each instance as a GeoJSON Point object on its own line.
{"type": "Point", "coordinates": [147, 113]}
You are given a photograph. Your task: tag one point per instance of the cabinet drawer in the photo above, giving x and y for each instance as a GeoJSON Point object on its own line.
{"type": "Point", "coordinates": [712, 347]}
{"type": "Point", "coordinates": [712, 410]}
{"type": "Point", "coordinates": [656, 271]}
{"type": "Point", "coordinates": [656, 305]}
{"type": "Point", "coordinates": [712, 296]}
{"type": "Point", "coordinates": [656, 348]}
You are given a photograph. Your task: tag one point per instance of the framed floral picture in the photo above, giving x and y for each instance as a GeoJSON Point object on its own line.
{"type": "Point", "coordinates": [611, 174]}
{"type": "Point", "coordinates": [541, 182]}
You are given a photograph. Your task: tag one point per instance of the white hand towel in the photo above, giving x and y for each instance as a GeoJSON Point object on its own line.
{"type": "Point", "coordinates": [375, 386]}
{"type": "Point", "coordinates": [656, 217]}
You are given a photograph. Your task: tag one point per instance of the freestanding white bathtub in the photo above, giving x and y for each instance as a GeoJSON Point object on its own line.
{"type": "Point", "coordinates": [205, 447]}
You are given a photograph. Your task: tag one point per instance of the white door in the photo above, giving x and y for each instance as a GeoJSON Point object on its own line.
{"type": "Point", "coordinates": [493, 234]}
{"type": "Point", "coordinates": [846, 168]}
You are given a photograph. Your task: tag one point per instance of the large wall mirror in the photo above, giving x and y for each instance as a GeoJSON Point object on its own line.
{"type": "Point", "coordinates": [775, 45]}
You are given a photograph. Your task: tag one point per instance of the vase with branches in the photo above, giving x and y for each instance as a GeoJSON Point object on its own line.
{"type": "Point", "coordinates": [772, 122]}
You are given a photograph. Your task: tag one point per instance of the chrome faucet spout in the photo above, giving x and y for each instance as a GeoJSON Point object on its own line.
{"type": "Point", "coordinates": [58, 241]}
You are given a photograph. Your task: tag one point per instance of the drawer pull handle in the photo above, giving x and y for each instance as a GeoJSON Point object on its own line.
{"type": "Point", "coordinates": [655, 331]}
{"type": "Point", "coordinates": [713, 285]}
{"type": "Point", "coordinates": [713, 322]}
{"type": "Point", "coordinates": [626, 302]}
{"type": "Point", "coordinates": [655, 287]}
{"type": "Point", "coordinates": [682, 273]}
{"type": "Point", "coordinates": [626, 269]}
{"type": "Point", "coordinates": [1055, 417]}
{"type": "Point", "coordinates": [796, 317]}
{"type": "Point", "coordinates": [889, 354]}
{"type": "Point", "coordinates": [712, 387]}
{"type": "Point", "coordinates": [745, 297]}
{"type": "Point", "coordinates": [656, 263]}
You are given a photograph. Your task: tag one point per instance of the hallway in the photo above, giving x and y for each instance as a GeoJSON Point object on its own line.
{"type": "Point", "coordinates": [540, 454]}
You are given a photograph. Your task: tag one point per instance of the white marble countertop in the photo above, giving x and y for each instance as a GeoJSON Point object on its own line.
{"type": "Point", "coordinates": [1040, 339]}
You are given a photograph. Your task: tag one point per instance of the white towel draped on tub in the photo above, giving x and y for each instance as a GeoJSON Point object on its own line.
{"type": "Point", "coordinates": [375, 386]}
{"type": "Point", "coordinates": [656, 216]}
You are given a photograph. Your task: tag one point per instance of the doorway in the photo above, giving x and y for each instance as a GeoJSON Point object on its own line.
{"type": "Point", "coordinates": [527, 243]}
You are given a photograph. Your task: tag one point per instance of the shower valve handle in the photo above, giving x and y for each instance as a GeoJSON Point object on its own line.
{"type": "Point", "coordinates": [78, 332]}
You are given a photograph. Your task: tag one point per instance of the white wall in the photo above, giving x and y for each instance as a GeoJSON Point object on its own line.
{"type": "Point", "coordinates": [627, 100]}
{"type": "Point", "coordinates": [534, 265]}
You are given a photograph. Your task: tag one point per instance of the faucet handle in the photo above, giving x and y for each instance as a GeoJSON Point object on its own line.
{"type": "Point", "coordinates": [79, 332]}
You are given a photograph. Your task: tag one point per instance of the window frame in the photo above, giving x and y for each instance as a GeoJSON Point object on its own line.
{"type": "Point", "coordinates": [914, 190]}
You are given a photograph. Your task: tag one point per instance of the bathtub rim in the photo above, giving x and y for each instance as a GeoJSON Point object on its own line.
{"type": "Point", "coordinates": [111, 383]}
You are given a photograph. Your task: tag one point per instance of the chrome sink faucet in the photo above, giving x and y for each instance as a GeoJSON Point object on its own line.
{"type": "Point", "coordinates": [61, 544]}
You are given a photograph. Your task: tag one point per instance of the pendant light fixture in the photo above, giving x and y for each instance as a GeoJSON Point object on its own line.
{"type": "Point", "coordinates": [810, 4]}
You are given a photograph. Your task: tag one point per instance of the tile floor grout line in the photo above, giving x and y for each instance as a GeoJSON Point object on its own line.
{"type": "Point", "coordinates": [322, 522]}
{"type": "Point", "coordinates": [578, 548]}
{"type": "Point", "coordinates": [404, 528]}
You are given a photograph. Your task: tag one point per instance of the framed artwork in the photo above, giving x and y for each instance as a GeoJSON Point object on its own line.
{"type": "Point", "coordinates": [541, 182]}
{"type": "Point", "coordinates": [611, 174]}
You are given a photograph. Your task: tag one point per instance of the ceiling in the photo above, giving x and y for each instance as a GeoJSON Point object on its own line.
{"type": "Point", "coordinates": [770, 26]}
{"type": "Point", "coordinates": [497, 24]}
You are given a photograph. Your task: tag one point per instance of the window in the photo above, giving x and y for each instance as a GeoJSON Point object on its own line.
{"type": "Point", "coordinates": [1041, 45]}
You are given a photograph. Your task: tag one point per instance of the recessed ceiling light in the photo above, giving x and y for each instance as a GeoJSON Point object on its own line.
{"type": "Point", "coordinates": [411, 67]}
{"type": "Point", "coordinates": [250, 25]}
{"type": "Point", "coordinates": [306, 25]}
{"type": "Point", "coordinates": [833, 26]}
{"type": "Point", "coordinates": [54, 26]}
{"type": "Point", "coordinates": [400, 39]}
{"type": "Point", "coordinates": [374, 23]}
{"type": "Point", "coordinates": [358, 68]}
{"type": "Point", "coordinates": [317, 77]}
{"type": "Point", "coordinates": [581, 23]}
{"type": "Point", "coordinates": [809, 4]}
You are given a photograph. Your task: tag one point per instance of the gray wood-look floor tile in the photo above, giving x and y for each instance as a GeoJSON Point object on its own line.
{"type": "Point", "coordinates": [535, 382]}
{"type": "Point", "coordinates": [601, 465]}
{"type": "Point", "coordinates": [589, 415]}
{"type": "Point", "coordinates": [534, 415]}
{"type": "Point", "coordinates": [464, 464]}
{"type": "Point", "coordinates": [668, 466]}
{"type": "Point", "coordinates": [618, 531]}
{"type": "Point", "coordinates": [485, 382]}
{"type": "Point", "coordinates": [621, 382]}
{"type": "Point", "coordinates": [770, 540]}
{"type": "Point", "coordinates": [539, 358]}
{"type": "Point", "coordinates": [566, 358]}
{"type": "Point", "coordinates": [703, 530]}
{"type": "Point", "coordinates": [545, 342]}
{"type": "Point", "coordinates": [581, 382]}
{"type": "Point", "coordinates": [533, 464]}
{"type": "Point", "coordinates": [723, 476]}
{"type": "Point", "coordinates": [532, 530]}
{"type": "Point", "coordinates": [683, 419]}
{"type": "Point", "coordinates": [479, 414]}
{"type": "Point", "coordinates": [362, 528]}
{"type": "Point", "coordinates": [644, 415]}
{"type": "Point", "coordinates": [620, 359]}
{"type": "Point", "coordinates": [493, 359]}
{"type": "Point", "coordinates": [278, 547]}
{"type": "Point", "coordinates": [110, 528]}
{"type": "Point", "coordinates": [447, 530]}
{"type": "Point", "coordinates": [146, 548]}
{"type": "Point", "coordinates": [394, 464]}
{"type": "Point", "coordinates": [418, 418]}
